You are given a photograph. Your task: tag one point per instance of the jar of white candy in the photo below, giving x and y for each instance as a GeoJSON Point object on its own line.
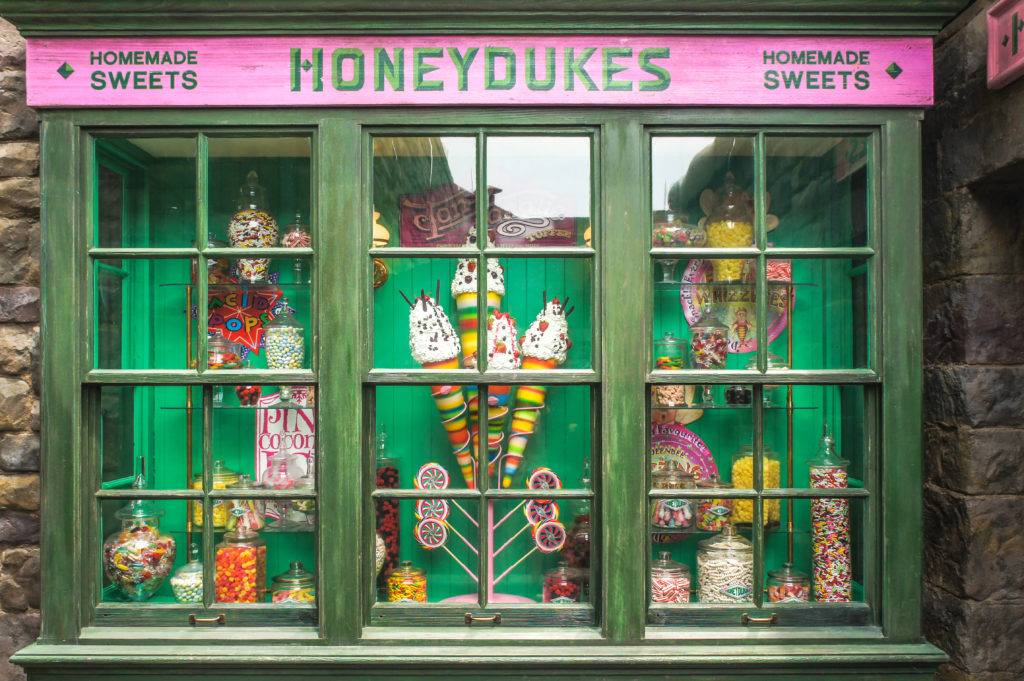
{"type": "Point", "coordinates": [285, 341]}
{"type": "Point", "coordinates": [187, 582]}
{"type": "Point", "coordinates": [725, 568]}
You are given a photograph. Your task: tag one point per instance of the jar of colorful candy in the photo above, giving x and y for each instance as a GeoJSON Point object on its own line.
{"type": "Point", "coordinates": [743, 477]}
{"type": "Point", "coordinates": [222, 353]}
{"type": "Point", "coordinates": [222, 477]}
{"type": "Point", "coordinates": [562, 585]}
{"type": "Point", "coordinates": [252, 227]}
{"type": "Point", "coordinates": [297, 236]}
{"type": "Point", "coordinates": [407, 584]}
{"type": "Point", "coordinates": [672, 514]}
{"type": "Point", "coordinates": [730, 225]}
{"type": "Point", "coordinates": [296, 585]}
{"type": "Point", "coordinates": [252, 510]}
{"type": "Point", "coordinates": [713, 514]}
{"type": "Point", "coordinates": [709, 346]}
{"type": "Point", "coordinates": [285, 340]}
{"type": "Point", "coordinates": [669, 354]}
{"type": "Point", "coordinates": [725, 568]}
{"type": "Point", "coordinates": [788, 585]}
{"type": "Point", "coordinates": [187, 581]}
{"type": "Point", "coordinates": [830, 526]}
{"type": "Point", "coordinates": [138, 558]}
{"type": "Point", "coordinates": [670, 581]}
{"type": "Point", "coordinates": [241, 566]}
{"type": "Point", "coordinates": [281, 473]}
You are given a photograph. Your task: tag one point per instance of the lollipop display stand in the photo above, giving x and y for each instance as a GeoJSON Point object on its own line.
{"type": "Point", "coordinates": [433, 529]}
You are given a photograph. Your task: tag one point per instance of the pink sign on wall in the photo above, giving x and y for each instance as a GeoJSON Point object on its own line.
{"type": "Point", "coordinates": [479, 70]}
{"type": "Point", "coordinates": [1005, 42]}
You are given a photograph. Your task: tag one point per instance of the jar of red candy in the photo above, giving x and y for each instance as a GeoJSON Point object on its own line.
{"type": "Point", "coordinates": [563, 585]}
{"type": "Point", "coordinates": [222, 353]}
{"type": "Point", "coordinates": [241, 567]}
{"type": "Point", "coordinates": [138, 558]}
{"type": "Point", "coordinates": [670, 581]}
{"type": "Point", "coordinates": [788, 585]}
{"type": "Point", "coordinates": [672, 514]}
{"type": "Point", "coordinates": [248, 395]}
{"type": "Point", "coordinates": [713, 514]}
{"type": "Point", "coordinates": [709, 346]}
{"type": "Point", "coordinates": [281, 474]}
{"type": "Point", "coordinates": [387, 509]}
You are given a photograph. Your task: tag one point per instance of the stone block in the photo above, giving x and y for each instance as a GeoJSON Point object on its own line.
{"type": "Point", "coordinates": [15, 404]}
{"type": "Point", "coordinates": [19, 528]}
{"type": "Point", "coordinates": [12, 48]}
{"type": "Point", "coordinates": [16, 632]}
{"type": "Point", "coordinates": [19, 197]}
{"type": "Point", "coordinates": [19, 253]}
{"type": "Point", "coordinates": [973, 320]}
{"type": "Point", "coordinates": [19, 452]}
{"type": "Point", "coordinates": [973, 232]}
{"type": "Point", "coordinates": [974, 396]}
{"type": "Point", "coordinates": [944, 324]}
{"type": "Point", "coordinates": [19, 492]}
{"type": "Point", "coordinates": [19, 579]}
{"type": "Point", "coordinates": [19, 159]}
{"type": "Point", "coordinates": [992, 137]}
{"type": "Point", "coordinates": [19, 304]}
{"type": "Point", "coordinates": [980, 638]}
{"type": "Point", "coordinates": [17, 120]}
{"type": "Point", "coordinates": [974, 461]}
{"type": "Point", "coordinates": [17, 348]}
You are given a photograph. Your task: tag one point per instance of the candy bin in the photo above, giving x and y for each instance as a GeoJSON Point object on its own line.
{"type": "Point", "coordinates": [241, 566]}
{"type": "Point", "coordinates": [387, 509]}
{"type": "Point", "coordinates": [743, 477]}
{"type": "Point", "coordinates": [670, 581]}
{"type": "Point", "coordinates": [672, 514]}
{"type": "Point", "coordinates": [251, 509]}
{"type": "Point", "coordinates": [138, 558]}
{"type": "Point", "coordinates": [669, 354]}
{"type": "Point", "coordinates": [252, 227]}
{"type": "Point", "coordinates": [709, 346]}
{"type": "Point", "coordinates": [773, 362]}
{"type": "Point", "coordinates": [407, 584]}
{"type": "Point", "coordinates": [788, 585]}
{"type": "Point", "coordinates": [285, 340]}
{"type": "Point", "coordinates": [187, 582]}
{"type": "Point", "coordinates": [830, 526]}
{"type": "Point", "coordinates": [562, 585]}
{"type": "Point", "coordinates": [297, 236]}
{"type": "Point", "coordinates": [304, 510]}
{"type": "Point", "coordinates": [281, 474]}
{"type": "Point", "coordinates": [296, 585]}
{"type": "Point", "coordinates": [674, 231]}
{"type": "Point", "coordinates": [222, 477]}
{"type": "Point", "coordinates": [725, 568]}
{"type": "Point", "coordinates": [730, 225]}
{"type": "Point", "coordinates": [713, 514]}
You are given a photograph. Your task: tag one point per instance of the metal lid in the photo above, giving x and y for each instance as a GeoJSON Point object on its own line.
{"type": "Point", "coordinates": [295, 576]}
{"type": "Point", "coordinates": [788, 574]}
{"type": "Point", "coordinates": [728, 540]}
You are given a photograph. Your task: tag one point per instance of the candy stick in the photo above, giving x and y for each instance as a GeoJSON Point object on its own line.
{"type": "Point", "coordinates": [513, 565]}
{"type": "Point", "coordinates": [471, 518]}
{"type": "Point", "coordinates": [461, 564]}
{"type": "Point", "coordinates": [524, 529]}
{"type": "Point", "coordinates": [459, 535]}
{"type": "Point", "coordinates": [509, 514]}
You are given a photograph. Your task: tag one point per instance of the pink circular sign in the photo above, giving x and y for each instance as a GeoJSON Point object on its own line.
{"type": "Point", "coordinates": [671, 442]}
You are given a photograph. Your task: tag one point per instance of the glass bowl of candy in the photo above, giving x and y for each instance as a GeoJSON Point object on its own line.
{"type": "Point", "coordinates": [138, 558]}
{"type": "Point", "coordinates": [673, 230]}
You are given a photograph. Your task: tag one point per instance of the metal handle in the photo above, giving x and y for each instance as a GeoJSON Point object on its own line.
{"type": "Point", "coordinates": [747, 619]}
{"type": "Point", "coordinates": [493, 619]}
{"type": "Point", "coordinates": [219, 619]}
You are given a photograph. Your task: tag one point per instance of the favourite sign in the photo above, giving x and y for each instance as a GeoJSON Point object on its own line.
{"type": "Point", "coordinates": [479, 71]}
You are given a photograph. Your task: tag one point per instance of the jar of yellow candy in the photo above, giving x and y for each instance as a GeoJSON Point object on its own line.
{"type": "Point", "coordinates": [222, 478]}
{"type": "Point", "coordinates": [743, 478]}
{"type": "Point", "coordinates": [407, 584]}
{"type": "Point", "coordinates": [730, 225]}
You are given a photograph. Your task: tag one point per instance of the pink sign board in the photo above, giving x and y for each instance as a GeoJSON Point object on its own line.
{"type": "Point", "coordinates": [479, 70]}
{"type": "Point", "coordinates": [1005, 42]}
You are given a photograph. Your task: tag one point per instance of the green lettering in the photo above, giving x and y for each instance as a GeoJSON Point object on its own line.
{"type": "Point", "coordinates": [771, 80]}
{"type": "Point", "coordinates": [188, 80]}
{"type": "Point", "coordinates": [420, 68]}
{"type": "Point", "coordinates": [338, 59]}
{"type": "Point", "coordinates": [575, 67]}
{"type": "Point", "coordinates": [792, 79]}
{"type": "Point", "coordinates": [610, 68]}
{"type": "Point", "coordinates": [385, 68]}
{"type": "Point", "coordinates": [99, 81]}
{"type": "Point", "coordinates": [862, 80]}
{"type": "Point", "coordinates": [152, 58]}
{"type": "Point", "coordinates": [491, 56]}
{"type": "Point", "coordinates": [531, 69]}
{"type": "Point", "coordinates": [462, 63]}
{"type": "Point", "coordinates": [118, 79]}
{"type": "Point", "coordinates": [154, 80]}
{"type": "Point", "coordinates": [664, 78]}
{"type": "Point", "coordinates": [138, 80]}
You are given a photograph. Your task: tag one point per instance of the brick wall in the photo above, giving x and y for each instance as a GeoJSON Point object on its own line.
{"type": "Point", "coordinates": [19, 357]}
{"type": "Point", "coordinates": [974, 362]}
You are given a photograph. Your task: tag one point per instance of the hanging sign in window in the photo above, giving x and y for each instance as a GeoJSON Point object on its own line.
{"type": "Point", "coordinates": [479, 70]}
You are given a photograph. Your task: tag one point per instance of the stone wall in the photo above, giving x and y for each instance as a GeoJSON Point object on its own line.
{"type": "Point", "coordinates": [974, 362]}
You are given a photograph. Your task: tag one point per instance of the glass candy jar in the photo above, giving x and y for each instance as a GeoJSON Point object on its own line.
{"type": "Point", "coordinates": [252, 227]}
{"type": "Point", "coordinates": [670, 581]}
{"type": "Point", "coordinates": [303, 510]}
{"type": "Point", "coordinates": [297, 236]}
{"type": "Point", "coordinates": [669, 354]}
{"type": "Point", "coordinates": [713, 514]}
{"type": "Point", "coordinates": [387, 515]}
{"type": "Point", "coordinates": [730, 225]}
{"type": "Point", "coordinates": [562, 585]}
{"type": "Point", "coordinates": [250, 510]}
{"type": "Point", "coordinates": [285, 340]}
{"type": "Point", "coordinates": [296, 585]}
{"type": "Point", "coordinates": [743, 477]}
{"type": "Point", "coordinates": [830, 526]}
{"type": "Point", "coordinates": [222, 477]}
{"type": "Point", "coordinates": [281, 473]}
{"type": "Point", "coordinates": [241, 567]}
{"type": "Point", "coordinates": [187, 582]}
{"type": "Point", "coordinates": [138, 558]}
{"type": "Point", "coordinates": [222, 354]}
{"type": "Point", "coordinates": [709, 346]}
{"type": "Point", "coordinates": [773, 362]}
{"type": "Point", "coordinates": [672, 230]}
{"type": "Point", "coordinates": [788, 585]}
{"type": "Point", "coordinates": [407, 584]}
{"type": "Point", "coordinates": [725, 568]}
{"type": "Point", "coordinates": [672, 514]}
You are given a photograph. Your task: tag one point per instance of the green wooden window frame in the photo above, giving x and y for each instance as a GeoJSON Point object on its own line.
{"type": "Point", "coordinates": [340, 214]}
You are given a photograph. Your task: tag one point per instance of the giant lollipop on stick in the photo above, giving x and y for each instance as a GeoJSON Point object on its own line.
{"type": "Point", "coordinates": [435, 345]}
{"type": "Point", "coordinates": [544, 345]}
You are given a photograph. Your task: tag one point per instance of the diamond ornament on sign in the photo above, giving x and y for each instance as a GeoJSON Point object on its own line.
{"type": "Point", "coordinates": [894, 70]}
{"type": "Point", "coordinates": [65, 70]}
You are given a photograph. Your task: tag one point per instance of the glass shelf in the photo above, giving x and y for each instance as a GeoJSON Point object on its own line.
{"type": "Point", "coordinates": [728, 406]}
{"type": "Point", "coordinates": [239, 285]}
{"type": "Point", "coordinates": [776, 529]}
{"type": "Point", "coordinates": [236, 408]}
{"type": "Point", "coordinates": [669, 285]}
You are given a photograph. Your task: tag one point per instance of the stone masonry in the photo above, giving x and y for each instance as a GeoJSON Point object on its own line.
{"type": "Point", "coordinates": [19, 357]}
{"type": "Point", "coordinates": [974, 361]}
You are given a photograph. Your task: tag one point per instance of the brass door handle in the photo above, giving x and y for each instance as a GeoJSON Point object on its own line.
{"type": "Point", "coordinates": [747, 619]}
{"type": "Point", "coordinates": [219, 619]}
{"type": "Point", "coordinates": [481, 619]}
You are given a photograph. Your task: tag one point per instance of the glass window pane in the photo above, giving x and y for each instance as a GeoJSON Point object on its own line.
{"type": "Point", "coordinates": [424, 191]}
{"type": "Point", "coordinates": [541, 190]}
{"type": "Point", "coordinates": [144, 544]}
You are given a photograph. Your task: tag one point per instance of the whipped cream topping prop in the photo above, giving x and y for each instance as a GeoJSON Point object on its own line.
{"type": "Point", "coordinates": [435, 345]}
{"type": "Point", "coordinates": [545, 345]}
{"type": "Point", "coordinates": [503, 354]}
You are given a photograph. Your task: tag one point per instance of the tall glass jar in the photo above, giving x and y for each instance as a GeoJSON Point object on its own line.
{"type": "Point", "coordinates": [743, 477]}
{"type": "Point", "coordinates": [388, 521]}
{"type": "Point", "coordinates": [297, 236]}
{"type": "Point", "coordinates": [669, 354]}
{"type": "Point", "coordinates": [280, 474]}
{"type": "Point", "coordinates": [407, 584]}
{"type": "Point", "coordinates": [250, 510]}
{"type": "Point", "coordinates": [709, 346]}
{"type": "Point", "coordinates": [670, 581]}
{"type": "Point", "coordinates": [773, 362]}
{"type": "Point", "coordinates": [222, 354]}
{"type": "Point", "coordinates": [241, 567]}
{"type": "Point", "coordinates": [138, 558]}
{"type": "Point", "coordinates": [222, 477]}
{"type": "Point", "coordinates": [830, 526]}
{"type": "Point", "coordinates": [730, 225]}
{"type": "Point", "coordinates": [304, 510]}
{"type": "Point", "coordinates": [672, 514]}
{"type": "Point", "coordinates": [725, 568]}
{"type": "Point", "coordinates": [285, 340]}
{"type": "Point", "coordinates": [297, 585]}
{"type": "Point", "coordinates": [562, 585]}
{"type": "Point", "coordinates": [788, 585]}
{"type": "Point", "coordinates": [252, 227]}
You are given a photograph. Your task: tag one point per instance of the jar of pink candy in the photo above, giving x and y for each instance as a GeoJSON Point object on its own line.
{"type": "Point", "coordinates": [670, 581]}
{"type": "Point", "coordinates": [672, 514]}
{"type": "Point", "coordinates": [709, 346]}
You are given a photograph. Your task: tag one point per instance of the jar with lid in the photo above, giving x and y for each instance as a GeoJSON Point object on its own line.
{"type": "Point", "coordinates": [304, 509]}
{"type": "Point", "coordinates": [773, 362]}
{"type": "Point", "coordinates": [407, 584]}
{"type": "Point", "coordinates": [222, 354]}
{"type": "Point", "coordinates": [222, 477]}
{"type": "Point", "coordinates": [725, 568]}
{"type": "Point", "coordinates": [297, 236]}
{"type": "Point", "coordinates": [388, 522]}
{"type": "Point", "coordinates": [709, 345]}
{"type": "Point", "coordinates": [830, 526]}
{"type": "Point", "coordinates": [296, 585]}
{"type": "Point", "coordinates": [673, 230]}
{"type": "Point", "coordinates": [281, 474]}
{"type": "Point", "coordinates": [672, 514]}
{"type": "Point", "coordinates": [241, 566]}
{"type": "Point", "coordinates": [730, 225]}
{"type": "Point", "coordinates": [138, 558]}
{"type": "Point", "coordinates": [252, 227]}
{"type": "Point", "coordinates": [562, 585]}
{"type": "Point", "coordinates": [713, 514]}
{"type": "Point", "coordinates": [743, 478]}
{"type": "Point", "coordinates": [788, 585]}
{"type": "Point", "coordinates": [669, 354]}
{"type": "Point", "coordinates": [670, 581]}
{"type": "Point", "coordinates": [252, 510]}
{"type": "Point", "coordinates": [285, 340]}
{"type": "Point", "coordinates": [248, 395]}
{"type": "Point", "coordinates": [187, 581]}
{"type": "Point", "coordinates": [218, 271]}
